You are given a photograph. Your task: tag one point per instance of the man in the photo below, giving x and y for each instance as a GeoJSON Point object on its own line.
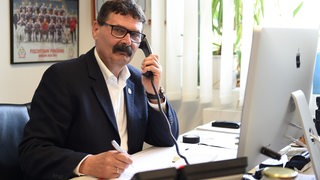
{"type": "Point", "coordinates": [81, 105]}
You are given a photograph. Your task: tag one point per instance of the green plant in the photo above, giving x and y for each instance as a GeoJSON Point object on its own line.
{"type": "Point", "coordinates": [258, 11]}
{"type": "Point", "coordinates": [217, 27]}
{"type": "Point", "coordinates": [217, 24]}
{"type": "Point", "coordinates": [217, 15]}
{"type": "Point", "coordinates": [217, 20]}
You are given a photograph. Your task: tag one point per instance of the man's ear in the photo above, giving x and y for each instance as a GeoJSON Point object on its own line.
{"type": "Point", "coordinates": [95, 29]}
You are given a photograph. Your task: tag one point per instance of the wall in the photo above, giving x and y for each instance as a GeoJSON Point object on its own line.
{"type": "Point", "coordinates": [18, 82]}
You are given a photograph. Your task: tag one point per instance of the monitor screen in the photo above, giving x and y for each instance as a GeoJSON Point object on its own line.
{"type": "Point", "coordinates": [281, 62]}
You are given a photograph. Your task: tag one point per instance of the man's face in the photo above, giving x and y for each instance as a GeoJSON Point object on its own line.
{"type": "Point", "coordinates": [112, 50]}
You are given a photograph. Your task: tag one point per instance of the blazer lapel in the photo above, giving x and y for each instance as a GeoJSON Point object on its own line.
{"type": "Point", "coordinates": [129, 95]}
{"type": "Point", "coordinates": [100, 88]}
{"type": "Point", "coordinates": [133, 131]}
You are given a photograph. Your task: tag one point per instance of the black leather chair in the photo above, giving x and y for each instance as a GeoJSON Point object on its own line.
{"type": "Point", "coordinates": [13, 118]}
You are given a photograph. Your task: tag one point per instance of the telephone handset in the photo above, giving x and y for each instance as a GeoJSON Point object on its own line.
{"type": "Point", "coordinates": [145, 46]}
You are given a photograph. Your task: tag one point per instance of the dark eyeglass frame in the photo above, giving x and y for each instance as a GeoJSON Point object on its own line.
{"type": "Point", "coordinates": [132, 33]}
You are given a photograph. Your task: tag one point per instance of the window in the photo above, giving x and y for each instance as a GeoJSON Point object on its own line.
{"type": "Point", "coordinates": [188, 23]}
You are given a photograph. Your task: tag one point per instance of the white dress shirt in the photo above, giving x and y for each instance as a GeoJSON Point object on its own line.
{"type": "Point", "coordinates": [115, 87]}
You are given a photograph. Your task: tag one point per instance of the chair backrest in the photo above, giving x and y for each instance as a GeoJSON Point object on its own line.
{"type": "Point", "coordinates": [13, 118]}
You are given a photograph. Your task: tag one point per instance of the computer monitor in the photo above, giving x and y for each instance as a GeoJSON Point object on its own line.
{"type": "Point", "coordinates": [282, 61]}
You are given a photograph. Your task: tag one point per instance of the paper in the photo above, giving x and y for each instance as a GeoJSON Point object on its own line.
{"type": "Point", "coordinates": [214, 146]}
{"type": "Point", "coordinates": [163, 157]}
{"type": "Point", "coordinates": [150, 159]}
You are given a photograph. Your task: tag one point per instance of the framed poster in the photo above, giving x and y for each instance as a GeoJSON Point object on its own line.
{"type": "Point", "coordinates": [96, 5]}
{"type": "Point", "coordinates": [44, 30]}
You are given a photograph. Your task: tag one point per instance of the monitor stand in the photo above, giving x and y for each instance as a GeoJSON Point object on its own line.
{"type": "Point", "coordinates": [310, 132]}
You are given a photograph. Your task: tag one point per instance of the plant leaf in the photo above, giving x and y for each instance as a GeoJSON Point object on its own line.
{"type": "Point", "coordinates": [297, 9]}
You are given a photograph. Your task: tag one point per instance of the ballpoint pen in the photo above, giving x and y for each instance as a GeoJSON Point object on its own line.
{"type": "Point", "coordinates": [117, 147]}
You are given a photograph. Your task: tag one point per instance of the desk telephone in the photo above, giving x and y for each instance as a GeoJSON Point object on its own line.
{"type": "Point", "coordinates": [145, 46]}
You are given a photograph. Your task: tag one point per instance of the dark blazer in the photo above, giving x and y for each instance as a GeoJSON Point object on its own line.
{"type": "Point", "coordinates": [72, 116]}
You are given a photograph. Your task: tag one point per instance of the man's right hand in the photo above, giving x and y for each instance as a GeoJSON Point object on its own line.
{"type": "Point", "coordinates": [108, 164]}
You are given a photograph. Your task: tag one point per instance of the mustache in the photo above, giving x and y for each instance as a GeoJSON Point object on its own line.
{"type": "Point", "coordinates": [122, 48]}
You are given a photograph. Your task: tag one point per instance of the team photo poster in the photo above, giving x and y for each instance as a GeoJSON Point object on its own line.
{"type": "Point", "coordinates": [44, 30]}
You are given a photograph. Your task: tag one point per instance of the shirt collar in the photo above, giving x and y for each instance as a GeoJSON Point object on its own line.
{"type": "Point", "coordinates": [107, 74]}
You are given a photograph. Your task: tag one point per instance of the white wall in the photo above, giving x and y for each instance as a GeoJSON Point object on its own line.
{"type": "Point", "coordinates": [19, 81]}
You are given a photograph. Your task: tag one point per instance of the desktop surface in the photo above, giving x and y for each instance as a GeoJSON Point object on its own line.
{"type": "Point", "coordinates": [205, 158]}
{"type": "Point", "coordinates": [213, 146]}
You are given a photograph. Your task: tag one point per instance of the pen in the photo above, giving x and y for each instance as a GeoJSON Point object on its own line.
{"type": "Point", "coordinates": [117, 147]}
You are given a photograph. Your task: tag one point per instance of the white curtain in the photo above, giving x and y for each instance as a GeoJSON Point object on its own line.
{"type": "Point", "coordinates": [182, 49]}
{"type": "Point", "coordinates": [174, 48]}
{"type": "Point", "coordinates": [190, 51]}
{"type": "Point", "coordinates": [158, 30]}
{"type": "Point", "coordinates": [247, 30]}
{"type": "Point", "coordinates": [185, 29]}
{"type": "Point", "coordinates": [226, 76]}
{"type": "Point", "coordinates": [205, 57]}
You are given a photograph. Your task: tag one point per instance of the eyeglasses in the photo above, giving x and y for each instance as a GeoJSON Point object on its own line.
{"type": "Point", "coordinates": [121, 32]}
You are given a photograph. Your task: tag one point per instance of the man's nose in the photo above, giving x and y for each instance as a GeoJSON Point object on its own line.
{"type": "Point", "coordinates": [127, 39]}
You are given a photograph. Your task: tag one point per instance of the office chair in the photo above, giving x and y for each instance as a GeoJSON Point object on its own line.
{"type": "Point", "coordinates": [13, 118]}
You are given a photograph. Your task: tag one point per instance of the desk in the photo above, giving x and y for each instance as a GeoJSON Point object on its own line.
{"type": "Point", "coordinates": [213, 146]}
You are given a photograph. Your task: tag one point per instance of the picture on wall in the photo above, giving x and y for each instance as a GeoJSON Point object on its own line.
{"type": "Point", "coordinates": [44, 30]}
{"type": "Point", "coordinates": [96, 5]}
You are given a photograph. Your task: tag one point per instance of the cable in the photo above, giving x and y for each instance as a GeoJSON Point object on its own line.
{"type": "Point", "coordinates": [167, 121]}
